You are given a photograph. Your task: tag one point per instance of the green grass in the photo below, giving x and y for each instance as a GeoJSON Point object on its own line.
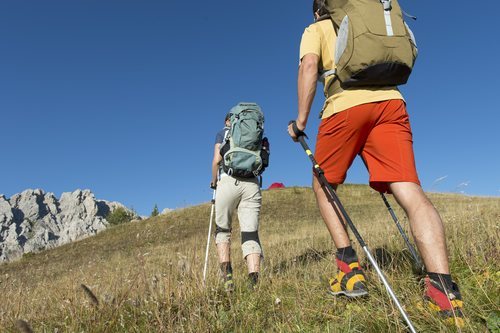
{"type": "Point", "coordinates": [147, 276]}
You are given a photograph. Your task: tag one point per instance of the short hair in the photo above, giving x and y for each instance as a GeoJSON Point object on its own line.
{"type": "Point", "coordinates": [320, 7]}
{"type": "Point", "coordinates": [227, 117]}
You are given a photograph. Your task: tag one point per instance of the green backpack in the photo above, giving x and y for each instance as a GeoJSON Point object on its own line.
{"type": "Point", "coordinates": [242, 150]}
{"type": "Point", "coordinates": [375, 47]}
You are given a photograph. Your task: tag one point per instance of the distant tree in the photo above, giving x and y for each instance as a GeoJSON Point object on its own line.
{"type": "Point", "coordinates": [155, 211]}
{"type": "Point", "coordinates": [119, 215]}
{"type": "Point", "coordinates": [133, 212]}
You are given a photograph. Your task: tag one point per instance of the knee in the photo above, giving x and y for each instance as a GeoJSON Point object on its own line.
{"type": "Point", "coordinates": [318, 188]}
{"type": "Point", "coordinates": [250, 243]}
{"type": "Point", "coordinates": [421, 210]}
{"type": "Point", "coordinates": [419, 202]}
{"type": "Point", "coordinates": [222, 235]}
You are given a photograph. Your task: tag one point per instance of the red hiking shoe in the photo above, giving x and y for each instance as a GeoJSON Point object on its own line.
{"type": "Point", "coordinates": [350, 281]}
{"type": "Point", "coordinates": [447, 303]}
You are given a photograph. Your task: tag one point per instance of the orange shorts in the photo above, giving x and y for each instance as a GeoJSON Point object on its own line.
{"type": "Point", "coordinates": [380, 132]}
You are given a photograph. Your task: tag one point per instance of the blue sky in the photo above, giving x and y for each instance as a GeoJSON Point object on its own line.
{"type": "Point", "coordinates": [125, 97]}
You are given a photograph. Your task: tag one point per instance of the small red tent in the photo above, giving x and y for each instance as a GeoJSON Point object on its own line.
{"type": "Point", "coordinates": [276, 185]}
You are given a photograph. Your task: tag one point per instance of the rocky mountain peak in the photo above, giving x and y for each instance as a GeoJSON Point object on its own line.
{"type": "Point", "coordinates": [33, 220]}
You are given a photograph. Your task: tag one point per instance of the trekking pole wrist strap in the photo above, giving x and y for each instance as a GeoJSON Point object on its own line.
{"type": "Point", "coordinates": [296, 130]}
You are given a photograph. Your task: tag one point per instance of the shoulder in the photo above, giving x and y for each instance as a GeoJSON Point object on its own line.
{"type": "Point", "coordinates": [320, 28]}
{"type": "Point", "coordinates": [311, 30]}
{"type": "Point", "coordinates": [317, 33]}
{"type": "Point", "coordinates": [311, 41]}
{"type": "Point", "coordinates": [219, 137]}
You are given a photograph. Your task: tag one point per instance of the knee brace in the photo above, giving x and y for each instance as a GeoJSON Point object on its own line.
{"type": "Point", "coordinates": [250, 242]}
{"type": "Point", "coordinates": [222, 235]}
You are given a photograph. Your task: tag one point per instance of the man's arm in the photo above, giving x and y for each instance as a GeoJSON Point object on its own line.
{"type": "Point", "coordinates": [306, 87]}
{"type": "Point", "coordinates": [215, 165]}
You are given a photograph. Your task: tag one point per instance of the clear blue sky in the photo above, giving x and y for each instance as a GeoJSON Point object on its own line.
{"type": "Point", "coordinates": [125, 97]}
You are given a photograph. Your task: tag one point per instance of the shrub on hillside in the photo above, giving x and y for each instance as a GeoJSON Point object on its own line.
{"type": "Point", "coordinates": [155, 211]}
{"type": "Point", "coordinates": [119, 216]}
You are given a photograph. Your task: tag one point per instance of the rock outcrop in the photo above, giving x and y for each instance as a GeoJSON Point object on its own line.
{"type": "Point", "coordinates": [34, 220]}
{"type": "Point", "coordinates": [166, 211]}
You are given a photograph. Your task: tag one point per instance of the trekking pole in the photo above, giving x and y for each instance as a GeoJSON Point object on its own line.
{"type": "Point", "coordinates": [341, 212]}
{"type": "Point", "coordinates": [208, 238]}
{"type": "Point", "coordinates": [416, 258]}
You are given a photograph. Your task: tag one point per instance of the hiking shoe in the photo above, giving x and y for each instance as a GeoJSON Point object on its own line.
{"type": "Point", "coordinates": [350, 281]}
{"type": "Point", "coordinates": [253, 279]}
{"type": "Point", "coordinates": [227, 276]}
{"type": "Point", "coordinates": [229, 283]}
{"type": "Point", "coordinates": [448, 303]}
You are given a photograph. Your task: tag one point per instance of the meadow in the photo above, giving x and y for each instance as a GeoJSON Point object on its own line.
{"type": "Point", "coordinates": [146, 276]}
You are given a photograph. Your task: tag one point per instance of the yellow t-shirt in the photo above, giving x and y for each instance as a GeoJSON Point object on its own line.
{"type": "Point", "coordinates": [320, 39]}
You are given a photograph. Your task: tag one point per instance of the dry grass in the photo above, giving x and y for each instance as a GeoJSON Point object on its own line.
{"type": "Point", "coordinates": [146, 276]}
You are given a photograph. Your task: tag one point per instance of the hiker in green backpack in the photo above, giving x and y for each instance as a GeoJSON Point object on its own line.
{"type": "Point", "coordinates": [240, 156]}
{"type": "Point", "coordinates": [364, 113]}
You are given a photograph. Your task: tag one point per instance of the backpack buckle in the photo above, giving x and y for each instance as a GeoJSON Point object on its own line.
{"type": "Point", "coordinates": [387, 4]}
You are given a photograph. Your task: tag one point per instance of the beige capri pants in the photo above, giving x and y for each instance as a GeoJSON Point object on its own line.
{"type": "Point", "coordinates": [242, 194]}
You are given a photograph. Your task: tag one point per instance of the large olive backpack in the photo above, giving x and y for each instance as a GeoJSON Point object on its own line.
{"type": "Point", "coordinates": [375, 47]}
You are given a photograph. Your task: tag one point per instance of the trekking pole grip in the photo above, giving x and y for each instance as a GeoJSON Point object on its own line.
{"type": "Point", "coordinates": [298, 133]}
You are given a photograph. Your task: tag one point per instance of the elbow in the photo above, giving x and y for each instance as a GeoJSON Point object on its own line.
{"type": "Point", "coordinates": [216, 161]}
{"type": "Point", "coordinates": [215, 164]}
{"type": "Point", "coordinates": [309, 67]}
{"type": "Point", "coordinates": [309, 63]}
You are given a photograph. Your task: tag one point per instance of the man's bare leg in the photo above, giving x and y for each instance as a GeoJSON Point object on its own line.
{"type": "Point", "coordinates": [346, 258]}
{"type": "Point", "coordinates": [224, 252]}
{"type": "Point", "coordinates": [253, 262]}
{"type": "Point", "coordinates": [333, 223]}
{"type": "Point", "coordinates": [426, 225]}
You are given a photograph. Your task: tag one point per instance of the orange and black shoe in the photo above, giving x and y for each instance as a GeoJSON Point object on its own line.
{"type": "Point", "coordinates": [447, 303]}
{"type": "Point", "coordinates": [350, 281]}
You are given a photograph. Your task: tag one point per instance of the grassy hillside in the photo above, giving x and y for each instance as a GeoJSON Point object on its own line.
{"type": "Point", "coordinates": [147, 276]}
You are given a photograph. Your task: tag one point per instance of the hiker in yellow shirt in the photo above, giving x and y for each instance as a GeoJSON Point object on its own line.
{"type": "Point", "coordinates": [372, 122]}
